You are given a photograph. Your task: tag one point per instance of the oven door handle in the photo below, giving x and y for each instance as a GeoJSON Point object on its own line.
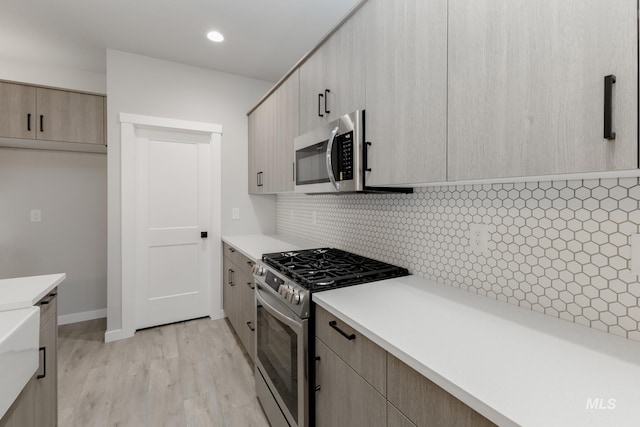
{"type": "Point", "coordinates": [277, 314]}
{"type": "Point", "coordinates": [332, 178]}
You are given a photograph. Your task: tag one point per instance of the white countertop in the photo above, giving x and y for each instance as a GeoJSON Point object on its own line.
{"type": "Point", "coordinates": [23, 292]}
{"type": "Point", "coordinates": [513, 365]}
{"type": "Point", "coordinates": [254, 245]}
{"type": "Point", "coordinates": [19, 337]}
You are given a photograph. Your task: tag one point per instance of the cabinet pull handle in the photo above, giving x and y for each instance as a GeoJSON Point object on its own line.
{"type": "Point", "coordinates": [232, 250]}
{"type": "Point", "coordinates": [41, 123]}
{"type": "Point", "coordinates": [609, 81]}
{"type": "Point", "coordinates": [44, 363]}
{"type": "Point", "coordinates": [251, 327]}
{"type": "Point", "coordinates": [250, 263]}
{"type": "Point", "coordinates": [29, 122]}
{"type": "Point", "coordinates": [317, 388]}
{"type": "Point", "coordinates": [231, 272]}
{"type": "Point", "coordinates": [365, 156]}
{"type": "Point", "coordinates": [250, 284]}
{"type": "Point", "coordinates": [334, 324]}
{"type": "Point", "coordinates": [320, 96]}
{"type": "Point", "coordinates": [257, 179]}
{"type": "Point", "coordinates": [326, 100]}
{"type": "Point", "coordinates": [47, 301]}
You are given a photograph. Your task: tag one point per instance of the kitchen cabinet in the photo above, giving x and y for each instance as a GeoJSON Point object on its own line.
{"type": "Point", "coordinates": [37, 404]}
{"type": "Point", "coordinates": [424, 403]}
{"type": "Point", "coordinates": [332, 79]}
{"type": "Point", "coordinates": [527, 87]}
{"type": "Point", "coordinates": [238, 298]}
{"type": "Point", "coordinates": [273, 125]}
{"type": "Point", "coordinates": [406, 91]}
{"type": "Point", "coordinates": [344, 398]}
{"type": "Point", "coordinates": [52, 115]}
{"type": "Point", "coordinates": [17, 111]}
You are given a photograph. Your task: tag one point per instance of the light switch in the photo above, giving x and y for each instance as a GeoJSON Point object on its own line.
{"type": "Point", "coordinates": [235, 213]}
{"type": "Point", "coordinates": [36, 215]}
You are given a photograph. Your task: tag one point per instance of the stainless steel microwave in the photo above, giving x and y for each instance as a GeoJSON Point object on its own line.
{"type": "Point", "coordinates": [329, 159]}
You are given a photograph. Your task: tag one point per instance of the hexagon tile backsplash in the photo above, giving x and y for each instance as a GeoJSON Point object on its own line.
{"type": "Point", "coordinates": [561, 247]}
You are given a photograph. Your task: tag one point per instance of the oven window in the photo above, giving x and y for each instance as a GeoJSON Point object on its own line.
{"type": "Point", "coordinates": [278, 352]}
{"type": "Point", "coordinates": [311, 164]}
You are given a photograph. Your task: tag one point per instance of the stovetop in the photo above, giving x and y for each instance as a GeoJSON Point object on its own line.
{"type": "Point", "coordinates": [329, 268]}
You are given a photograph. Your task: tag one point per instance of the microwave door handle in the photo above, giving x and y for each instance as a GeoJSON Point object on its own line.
{"type": "Point", "coordinates": [332, 178]}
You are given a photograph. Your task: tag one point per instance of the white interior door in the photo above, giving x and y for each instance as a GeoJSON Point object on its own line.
{"type": "Point", "coordinates": [173, 261]}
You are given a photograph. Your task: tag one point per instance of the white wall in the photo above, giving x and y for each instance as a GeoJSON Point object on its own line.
{"type": "Point", "coordinates": [148, 86]}
{"type": "Point", "coordinates": [71, 191]}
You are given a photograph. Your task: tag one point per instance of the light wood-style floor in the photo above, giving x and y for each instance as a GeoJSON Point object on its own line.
{"type": "Point", "coordinates": [186, 374]}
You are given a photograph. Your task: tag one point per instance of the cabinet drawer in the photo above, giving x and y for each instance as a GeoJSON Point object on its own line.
{"type": "Point", "coordinates": [343, 397]}
{"type": "Point", "coordinates": [425, 403]}
{"type": "Point", "coordinates": [237, 258]}
{"type": "Point", "coordinates": [363, 355]}
{"type": "Point", "coordinates": [48, 306]}
{"type": "Point", "coordinates": [395, 418]}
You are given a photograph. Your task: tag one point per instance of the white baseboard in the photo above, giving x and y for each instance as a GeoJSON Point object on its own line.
{"type": "Point", "coordinates": [114, 335]}
{"type": "Point", "coordinates": [81, 317]}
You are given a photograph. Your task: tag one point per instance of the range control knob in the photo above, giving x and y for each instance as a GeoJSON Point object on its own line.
{"type": "Point", "coordinates": [258, 270]}
{"type": "Point", "coordinates": [296, 299]}
{"type": "Point", "coordinates": [282, 290]}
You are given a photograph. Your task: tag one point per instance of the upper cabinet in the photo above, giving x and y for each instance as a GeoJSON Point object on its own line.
{"type": "Point", "coordinates": [332, 79]}
{"type": "Point", "coordinates": [17, 111]}
{"type": "Point", "coordinates": [53, 115]}
{"type": "Point", "coordinates": [273, 125]}
{"type": "Point", "coordinates": [527, 88]}
{"type": "Point", "coordinates": [406, 91]}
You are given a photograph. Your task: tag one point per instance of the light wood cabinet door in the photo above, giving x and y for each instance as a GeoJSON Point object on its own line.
{"type": "Point", "coordinates": [424, 403]}
{"type": "Point", "coordinates": [395, 418]}
{"type": "Point", "coordinates": [230, 293]}
{"type": "Point", "coordinates": [526, 87]}
{"type": "Point", "coordinates": [248, 309]}
{"type": "Point", "coordinates": [262, 138]}
{"type": "Point", "coordinates": [313, 83]}
{"type": "Point", "coordinates": [406, 91]}
{"type": "Point", "coordinates": [17, 111]}
{"type": "Point", "coordinates": [287, 117]}
{"type": "Point", "coordinates": [70, 117]}
{"type": "Point", "coordinates": [46, 388]}
{"type": "Point", "coordinates": [22, 412]}
{"type": "Point", "coordinates": [344, 398]}
{"type": "Point", "coordinates": [332, 80]}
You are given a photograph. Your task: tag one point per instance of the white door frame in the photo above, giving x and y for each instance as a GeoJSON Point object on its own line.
{"type": "Point", "coordinates": [128, 125]}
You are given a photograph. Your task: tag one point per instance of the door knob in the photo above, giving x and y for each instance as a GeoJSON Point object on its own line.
{"type": "Point", "coordinates": [204, 235]}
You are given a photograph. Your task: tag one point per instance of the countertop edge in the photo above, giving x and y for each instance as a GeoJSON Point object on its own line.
{"type": "Point", "coordinates": [56, 279]}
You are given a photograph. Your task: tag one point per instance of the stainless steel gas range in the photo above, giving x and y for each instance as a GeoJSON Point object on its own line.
{"type": "Point", "coordinates": [285, 329]}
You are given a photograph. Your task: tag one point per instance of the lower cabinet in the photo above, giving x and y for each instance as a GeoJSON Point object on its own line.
{"type": "Point", "coordinates": [344, 398]}
{"type": "Point", "coordinates": [238, 297]}
{"type": "Point", "coordinates": [37, 404]}
{"type": "Point", "coordinates": [359, 384]}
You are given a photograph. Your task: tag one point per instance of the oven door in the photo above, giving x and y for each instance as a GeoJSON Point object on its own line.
{"type": "Point", "coordinates": [282, 357]}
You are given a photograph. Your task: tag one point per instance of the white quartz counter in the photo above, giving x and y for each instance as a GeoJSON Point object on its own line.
{"type": "Point", "coordinates": [23, 292]}
{"type": "Point", "coordinates": [254, 245]}
{"type": "Point", "coordinates": [514, 366]}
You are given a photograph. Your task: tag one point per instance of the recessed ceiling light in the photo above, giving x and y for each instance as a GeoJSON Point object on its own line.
{"type": "Point", "coordinates": [215, 36]}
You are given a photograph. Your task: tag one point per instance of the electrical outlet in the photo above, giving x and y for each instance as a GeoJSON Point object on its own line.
{"type": "Point", "coordinates": [314, 218]}
{"type": "Point", "coordinates": [478, 239]}
{"type": "Point", "coordinates": [36, 215]}
{"type": "Point", "coordinates": [235, 213]}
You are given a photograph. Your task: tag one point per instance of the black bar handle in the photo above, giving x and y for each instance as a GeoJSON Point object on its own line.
{"type": "Point", "coordinates": [29, 122]}
{"type": "Point", "coordinates": [320, 96]}
{"type": "Point", "coordinates": [250, 284]}
{"type": "Point", "coordinates": [251, 327]}
{"type": "Point", "coordinates": [257, 179]}
{"type": "Point", "coordinates": [231, 272]}
{"type": "Point", "coordinates": [41, 123]}
{"type": "Point", "coordinates": [365, 157]}
{"type": "Point", "coordinates": [232, 250]}
{"type": "Point", "coordinates": [44, 363]}
{"type": "Point", "coordinates": [334, 324]}
{"type": "Point", "coordinates": [326, 100]}
{"type": "Point", "coordinates": [609, 81]}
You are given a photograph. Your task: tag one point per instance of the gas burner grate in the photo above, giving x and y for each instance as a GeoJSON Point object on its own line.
{"type": "Point", "coordinates": [329, 268]}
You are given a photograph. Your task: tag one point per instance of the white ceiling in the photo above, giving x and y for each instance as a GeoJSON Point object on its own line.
{"type": "Point", "coordinates": [263, 38]}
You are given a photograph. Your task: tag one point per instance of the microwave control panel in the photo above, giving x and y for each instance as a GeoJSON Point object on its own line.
{"type": "Point", "coordinates": [345, 156]}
